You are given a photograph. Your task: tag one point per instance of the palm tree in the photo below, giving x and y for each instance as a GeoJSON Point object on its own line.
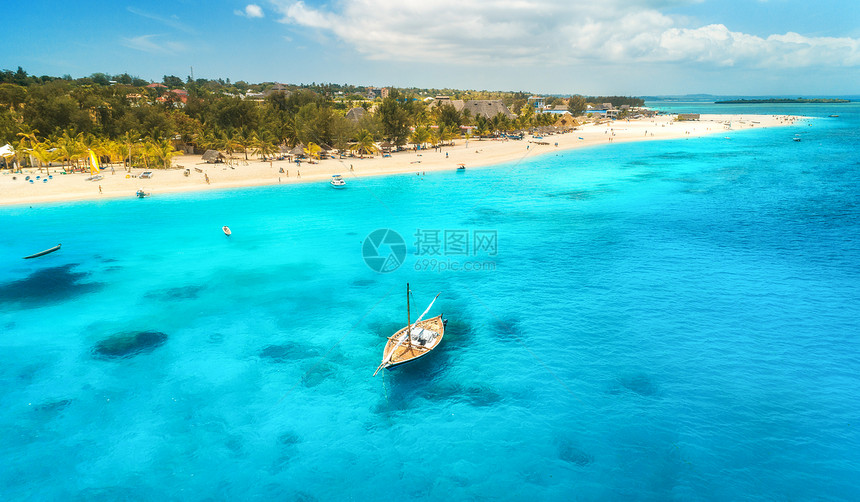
{"type": "Point", "coordinates": [244, 139]}
{"type": "Point", "coordinates": [420, 136]}
{"type": "Point", "coordinates": [232, 143]}
{"type": "Point", "coordinates": [446, 134]}
{"type": "Point", "coordinates": [364, 144]}
{"type": "Point", "coordinates": [42, 152]}
{"type": "Point", "coordinates": [482, 127]}
{"type": "Point", "coordinates": [267, 146]}
{"type": "Point", "coordinates": [27, 142]}
{"type": "Point", "coordinates": [163, 151]}
{"type": "Point", "coordinates": [130, 140]}
{"type": "Point", "coordinates": [70, 147]}
{"type": "Point", "coordinates": [313, 151]}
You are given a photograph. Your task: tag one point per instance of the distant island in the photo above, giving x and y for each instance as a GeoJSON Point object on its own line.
{"type": "Point", "coordinates": [780, 100]}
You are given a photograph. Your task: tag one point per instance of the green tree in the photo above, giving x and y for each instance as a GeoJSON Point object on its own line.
{"type": "Point", "coordinates": [12, 95]}
{"type": "Point", "coordinates": [364, 144]}
{"type": "Point", "coordinates": [420, 136]}
{"type": "Point", "coordinates": [576, 105]}
{"type": "Point", "coordinates": [394, 118]}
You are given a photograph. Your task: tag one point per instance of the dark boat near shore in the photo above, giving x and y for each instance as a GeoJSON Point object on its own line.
{"type": "Point", "coordinates": [43, 253]}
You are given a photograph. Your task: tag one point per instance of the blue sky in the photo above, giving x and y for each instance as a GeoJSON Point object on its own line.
{"type": "Point", "coordinates": [640, 47]}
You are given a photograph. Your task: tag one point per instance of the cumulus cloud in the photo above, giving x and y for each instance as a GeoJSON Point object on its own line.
{"type": "Point", "coordinates": [563, 31]}
{"type": "Point", "coordinates": [251, 11]}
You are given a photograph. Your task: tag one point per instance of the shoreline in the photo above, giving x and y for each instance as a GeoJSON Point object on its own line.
{"type": "Point", "coordinates": [254, 172]}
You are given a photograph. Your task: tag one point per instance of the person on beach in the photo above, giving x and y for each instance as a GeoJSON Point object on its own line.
{"type": "Point", "coordinates": [100, 189]}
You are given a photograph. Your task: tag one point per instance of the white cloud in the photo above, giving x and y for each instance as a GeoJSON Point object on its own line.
{"type": "Point", "coordinates": [504, 32]}
{"type": "Point", "coordinates": [172, 21]}
{"type": "Point", "coordinates": [148, 43]}
{"type": "Point", "coordinates": [251, 11]}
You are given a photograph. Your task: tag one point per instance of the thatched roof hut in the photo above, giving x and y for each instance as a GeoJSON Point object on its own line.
{"type": "Point", "coordinates": [355, 114]}
{"type": "Point", "coordinates": [489, 108]}
{"type": "Point", "coordinates": [298, 150]}
{"type": "Point", "coordinates": [566, 120]}
{"type": "Point", "coordinates": [213, 156]}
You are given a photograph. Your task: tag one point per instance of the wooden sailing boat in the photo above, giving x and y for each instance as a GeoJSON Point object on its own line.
{"type": "Point", "coordinates": [413, 341]}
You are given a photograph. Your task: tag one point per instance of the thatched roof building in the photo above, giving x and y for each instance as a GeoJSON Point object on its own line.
{"type": "Point", "coordinates": [566, 120]}
{"type": "Point", "coordinates": [213, 156]}
{"type": "Point", "coordinates": [489, 108]}
{"type": "Point", "coordinates": [355, 114]}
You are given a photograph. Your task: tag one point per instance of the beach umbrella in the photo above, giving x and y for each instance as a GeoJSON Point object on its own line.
{"type": "Point", "coordinates": [298, 150]}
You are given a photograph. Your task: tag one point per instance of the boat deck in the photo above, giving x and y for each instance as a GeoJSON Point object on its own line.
{"type": "Point", "coordinates": [407, 352]}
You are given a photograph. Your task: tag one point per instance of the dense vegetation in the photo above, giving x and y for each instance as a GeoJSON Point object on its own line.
{"type": "Point", "coordinates": [127, 119]}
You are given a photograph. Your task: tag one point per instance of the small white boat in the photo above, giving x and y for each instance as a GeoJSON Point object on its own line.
{"type": "Point", "coordinates": [226, 230]}
{"type": "Point", "coordinates": [796, 137]}
{"type": "Point", "coordinates": [337, 181]}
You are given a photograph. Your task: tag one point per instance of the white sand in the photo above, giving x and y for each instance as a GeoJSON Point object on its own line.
{"type": "Point", "coordinates": [474, 153]}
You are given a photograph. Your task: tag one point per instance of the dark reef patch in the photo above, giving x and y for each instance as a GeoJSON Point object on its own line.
{"type": "Point", "coordinates": [318, 373]}
{"type": "Point", "coordinates": [47, 285]}
{"type": "Point", "coordinates": [289, 439]}
{"type": "Point", "coordinates": [573, 455]}
{"type": "Point", "coordinates": [129, 344]}
{"type": "Point", "coordinates": [361, 283]}
{"type": "Point", "coordinates": [506, 330]}
{"type": "Point", "coordinates": [53, 407]}
{"type": "Point", "coordinates": [639, 383]}
{"type": "Point", "coordinates": [287, 351]}
{"type": "Point", "coordinates": [475, 395]}
{"type": "Point", "coordinates": [181, 293]}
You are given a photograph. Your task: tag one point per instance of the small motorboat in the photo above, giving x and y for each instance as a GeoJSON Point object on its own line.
{"type": "Point", "coordinates": [796, 137]}
{"type": "Point", "coordinates": [226, 230]}
{"type": "Point", "coordinates": [337, 181]}
{"type": "Point", "coordinates": [43, 253]}
{"type": "Point", "coordinates": [461, 167]}
{"type": "Point", "coordinates": [141, 194]}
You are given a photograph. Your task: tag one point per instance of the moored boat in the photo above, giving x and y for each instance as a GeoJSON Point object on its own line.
{"type": "Point", "coordinates": [141, 194]}
{"type": "Point", "coordinates": [226, 230]}
{"type": "Point", "coordinates": [413, 341]}
{"type": "Point", "coordinates": [337, 181]}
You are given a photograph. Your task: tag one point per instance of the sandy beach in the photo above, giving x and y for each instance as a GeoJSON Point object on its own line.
{"type": "Point", "coordinates": [118, 183]}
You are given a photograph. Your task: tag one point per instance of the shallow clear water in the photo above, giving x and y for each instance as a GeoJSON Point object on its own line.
{"type": "Point", "coordinates": [661, 320]}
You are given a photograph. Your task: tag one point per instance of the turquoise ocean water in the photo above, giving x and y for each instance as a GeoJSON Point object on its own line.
{"type": "Point", "coordinates": [673, 320]}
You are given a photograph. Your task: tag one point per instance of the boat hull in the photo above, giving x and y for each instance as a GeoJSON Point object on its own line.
{"type": "Point", "coordinates": [43, 253]}
{"type": "Point", "coordinates": [407, 353]}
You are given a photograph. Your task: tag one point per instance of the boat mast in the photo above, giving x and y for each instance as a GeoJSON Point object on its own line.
{"type": "Point", "coordinates": [408, 317]}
